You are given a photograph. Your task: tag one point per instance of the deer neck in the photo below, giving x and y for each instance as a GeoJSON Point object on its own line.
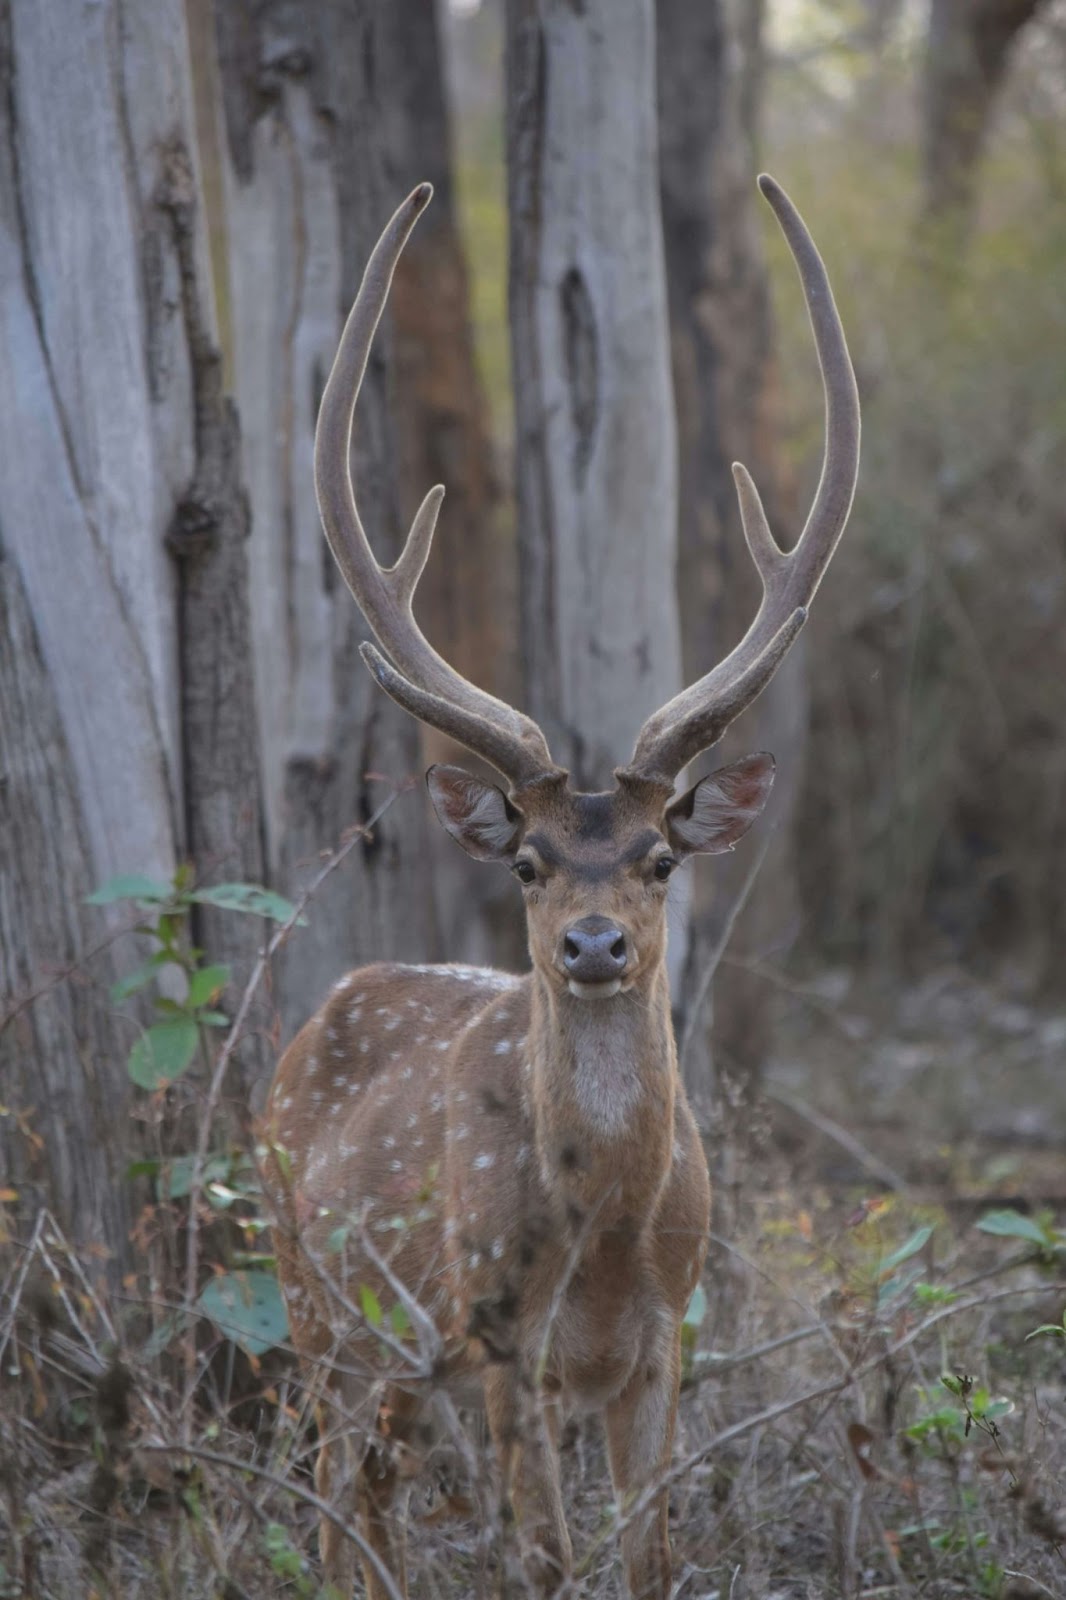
{"type": "Point", "coordinates": [604, 1084]}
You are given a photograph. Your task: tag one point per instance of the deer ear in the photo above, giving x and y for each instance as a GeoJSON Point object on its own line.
{"type": "Point", "coordinates": [720, 809]}
{"type": "Point", "coordinates": [477, 815]}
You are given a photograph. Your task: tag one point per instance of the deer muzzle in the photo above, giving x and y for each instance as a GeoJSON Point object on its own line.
{"type": "Point", "coordinates": [594, 957]}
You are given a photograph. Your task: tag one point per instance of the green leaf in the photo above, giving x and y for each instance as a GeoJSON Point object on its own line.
{"type": "Point", "coordinates": [1012, 1225]}
{"type": "Point", "coordinates": [135, 980]}
{"type": "Point", "coordinates": [1000, 1407]}
{"type": "Point", "coordinates": [371, 1305]}
{"type": "Point", "coordinates": [129, 886]}
{"type": "Point", "coordinates": [206, 984]}
{"type": "Point", "coordinates": [143, 1169]}
{"type": "Point", "coordinates": [401, 1322]}
{"type": "Point", "coordinates": [1058, 1329]}
{"type": "Point", "coordinates": [213, 1019]}
{"type": "Point", "coordinates": [247, 897]}
{"type": "Point", "coordinates": [917, 1240]}
{"type": "Point", "coordinates": [176, 1179]}
{"type": "Point", "coordinates": [163, 1052]}
{"type": "Point", "coordinates": [934, 1294]}
{"type": "Point", "coordinates": [248, 1308]}
{"type": "Point", "coordinates": [697, 1308]}
{"type": "Point", "coordinates": [337, 1240]}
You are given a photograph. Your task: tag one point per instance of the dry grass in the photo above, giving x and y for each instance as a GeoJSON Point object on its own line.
{"type": "Point", "coordinates": [818, 1453]}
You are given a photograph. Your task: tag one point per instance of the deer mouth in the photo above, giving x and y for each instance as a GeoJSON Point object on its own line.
{"type": "Point", "coordinates": [594, 991]}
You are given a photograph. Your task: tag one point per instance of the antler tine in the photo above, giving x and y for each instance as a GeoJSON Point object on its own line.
{"type": "Point", "coordinates": [697, 717]}
{"type": "Point", "coordinates": [510, 741]}
{"type": "Point", "coordinates": [466, 727]}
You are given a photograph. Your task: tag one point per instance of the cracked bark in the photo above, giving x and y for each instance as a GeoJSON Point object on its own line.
{"type": "Point", "coordinates": [306, 196]}
{"type": "Point", "coordinates": [595, 439]}
{"type": "Point", "coordinates": [101, 764]}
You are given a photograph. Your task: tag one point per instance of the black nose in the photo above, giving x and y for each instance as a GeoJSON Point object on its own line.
{"type": "Point", "coordinates": [594, 950]}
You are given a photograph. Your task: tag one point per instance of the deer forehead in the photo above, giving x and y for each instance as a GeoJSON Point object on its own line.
{"type": "Point", "coordinates": [593, 835]}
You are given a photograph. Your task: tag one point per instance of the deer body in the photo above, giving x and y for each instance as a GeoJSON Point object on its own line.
{"type": "Point", "coordinates": [504, 1171]}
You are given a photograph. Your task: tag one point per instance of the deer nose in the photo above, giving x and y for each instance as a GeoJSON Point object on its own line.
{"type": "Point", "coordinates": [594, 950]}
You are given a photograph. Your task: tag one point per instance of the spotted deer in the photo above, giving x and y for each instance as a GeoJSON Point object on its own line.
{"type": "Point", "coordinates": [511, 1159]}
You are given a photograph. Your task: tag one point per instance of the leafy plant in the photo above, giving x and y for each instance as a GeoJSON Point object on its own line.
{"type": "Point", "coordinates": [1039, 1230]}
{"type": "Point", "coordinates": [248, 1308]}
{"type": "Point", "coordinates": [166, 1048]}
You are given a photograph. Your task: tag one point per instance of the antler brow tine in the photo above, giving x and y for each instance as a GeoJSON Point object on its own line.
{"type": "Point", "coordinates": [424, 682]}
{"type": "Point", "coordinates": [697, 717]}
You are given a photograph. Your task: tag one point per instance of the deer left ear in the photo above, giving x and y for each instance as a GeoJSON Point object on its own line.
{"type": "Point", "coordinates": [720, 809]}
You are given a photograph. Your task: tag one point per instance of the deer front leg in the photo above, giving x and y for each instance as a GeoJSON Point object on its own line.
{"type": "Point", "coordinates": [640, 1438]}
{"type": "Point", "coordinates": [524, 1427]}
{"type": "Point", "coordinates": [358, 1473]}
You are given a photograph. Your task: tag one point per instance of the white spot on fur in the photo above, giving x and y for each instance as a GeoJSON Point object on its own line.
{"type": "Point", "coordinates": [497, 1249]}
{"type": "Point", "coordinates": [502, 1048]}
{"type": "Point", "coordinates": [484, 1160]}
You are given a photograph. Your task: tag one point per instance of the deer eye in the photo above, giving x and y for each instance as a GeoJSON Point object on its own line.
{"type": "Point", "coordinates": [525, 871]}
{"type": "Point", "coordinates": [663, 867]}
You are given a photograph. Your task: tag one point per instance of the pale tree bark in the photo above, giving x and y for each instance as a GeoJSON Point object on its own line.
{"type": "Point", "coordinates": [306, 197]}
{"type": "Point", "coordinates": [722, 344]}
{"type": "Point", "coordinates": [115, 441]}
{"type": "Point", "coordinates": [465, 602]}
{"type": "Point", "coordinates": [968, 51]}
{"type": "Point", "coordinates": [595, 456]}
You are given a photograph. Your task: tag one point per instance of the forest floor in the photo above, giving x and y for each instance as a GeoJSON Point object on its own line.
{"type": "Point", "coordinates": [865, 1412]}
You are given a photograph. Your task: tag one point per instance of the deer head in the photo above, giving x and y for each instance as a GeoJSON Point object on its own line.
{"type": "Point", "coordinates": [593, 867]}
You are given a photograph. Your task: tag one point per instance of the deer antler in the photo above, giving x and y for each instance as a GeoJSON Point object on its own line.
{"type": "Point", "coordinates": [420, 680]}
{"type": "Point", "coordinates": [697, 718]}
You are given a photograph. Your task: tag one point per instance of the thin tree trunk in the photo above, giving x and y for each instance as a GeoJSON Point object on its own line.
{"type": "Point", "coordinates": [108, 323]}
{"type": "Point", "coordinates": [967, 55]}
{"type": "Point", "coordinates": [305, 200]}
{"type": "Point", "coordinates": [721, 323]}
{"type": "Point", "coordinates": [595, 438]}
{"type": "Point", "coordinates": [443, 435]}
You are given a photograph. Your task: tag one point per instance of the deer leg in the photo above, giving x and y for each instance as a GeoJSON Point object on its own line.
{"type": "Point", "coordinates": [336, 1472]}
{"type": "Point", "coordinates": [525, 1436]}
{"type": "Point", "coordinates": [640, 1438]}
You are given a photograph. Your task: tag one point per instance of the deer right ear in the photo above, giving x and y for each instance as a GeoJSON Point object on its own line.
{"type": "Point", "coordinates": [477, 815]}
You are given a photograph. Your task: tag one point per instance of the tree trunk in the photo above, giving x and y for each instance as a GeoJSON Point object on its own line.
{"type": "Point", "coordinates": [443, 435]}
{"type": "Point", "coordinates": [724, 384]}
{"type": "Point", "coordinates": [107, 452]}
{"type": "Point", "coordinates": [306, 198]}
{"type": "Point", "coordinates": [967, 54]}
{"type": "Point", "coordinates": [595, 437]}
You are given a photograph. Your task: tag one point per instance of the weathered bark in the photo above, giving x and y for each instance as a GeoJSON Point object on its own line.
{"type": "Point", "coordinates": [595, 438]}
{"type": "Point", "coordinates": [104, 435]}
{"type": "Point", "coordinates": [443, 436]}
{"type": "Point", "coordinates": [967, 55]}
{"type": "Point", "coordinates": [721, 329]}
{"type": "Point", "coordinates": [305, 200]}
